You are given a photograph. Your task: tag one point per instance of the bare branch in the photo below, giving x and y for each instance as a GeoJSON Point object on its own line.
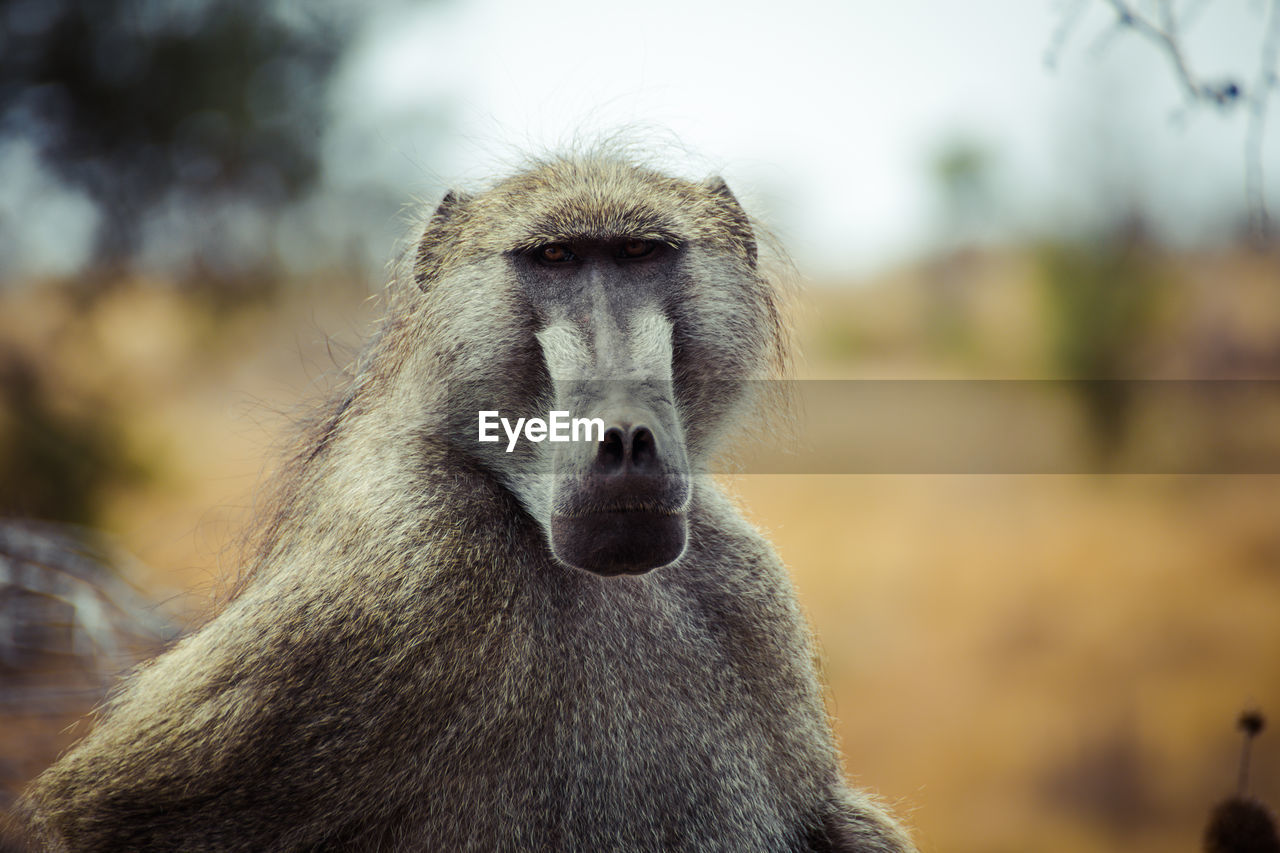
{"type": "Point", "coordinates": [1165, 29]}
{"type": "Point", "coordinates": [1165, 35]}
{"type": "Point", "coordinates": [1259, 97]}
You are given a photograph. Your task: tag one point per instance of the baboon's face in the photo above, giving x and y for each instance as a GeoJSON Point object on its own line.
{"type": "Point", "coordinates": [610, 293]}
{"type": "Point", "coordinates": [618, 503]}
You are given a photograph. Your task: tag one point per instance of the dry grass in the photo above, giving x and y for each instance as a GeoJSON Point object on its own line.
{"type": "Point", "coordinates": [1047, 663]}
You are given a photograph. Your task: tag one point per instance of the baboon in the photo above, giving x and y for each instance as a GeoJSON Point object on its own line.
{"type": "Point", "coordinates": [442, 645]}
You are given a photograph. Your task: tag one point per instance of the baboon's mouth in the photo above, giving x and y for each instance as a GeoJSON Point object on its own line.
{"type": "Point", "coordinates": [619, 540]}
{"type": "Point", "coordinates": [612, 510]}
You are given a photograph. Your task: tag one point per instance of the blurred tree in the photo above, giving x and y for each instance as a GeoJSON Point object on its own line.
{"type": "Point", "coordinates": [1100, 303]}
{"type": "Point", "coordinates": [963, 172]}
{"type": "Point", "coordinates": [182, 105]}
{"type": "Point", "coordinates": [60, 453]}
{"type": "Point", "coordinates": [962, 169]}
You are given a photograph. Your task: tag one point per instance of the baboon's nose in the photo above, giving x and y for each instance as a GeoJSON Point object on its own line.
{"type": "Point", "coordinates": [627, 515]}
{"type": "Point", "coordinates": [627, 447]}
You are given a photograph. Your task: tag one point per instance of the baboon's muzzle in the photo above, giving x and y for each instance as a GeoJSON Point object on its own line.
{"type": "Point", "coordinates": [624, 511]}
{"type": "Point", "coordinates": [619, 502]}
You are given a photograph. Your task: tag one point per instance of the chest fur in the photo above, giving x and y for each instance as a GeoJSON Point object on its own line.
{"type": "Point", "coordinates": [622, 720]}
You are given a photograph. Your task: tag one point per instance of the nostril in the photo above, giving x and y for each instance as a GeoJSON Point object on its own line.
{"type": "Point", "coordinates": [644, 449]}
{"type": "Point", "coordinates": [613, 450]}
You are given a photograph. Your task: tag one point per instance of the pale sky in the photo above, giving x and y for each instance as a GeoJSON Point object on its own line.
{"type": "Point", "coordinates": [823, 115]}
{"type": "Point", "coordinates": [827, 112]}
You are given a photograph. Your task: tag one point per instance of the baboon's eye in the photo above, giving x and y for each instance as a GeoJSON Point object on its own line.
{"type": "Point", "coordinates": [554, 253]}
{"type": "Point", "coordinates": [637, 248]}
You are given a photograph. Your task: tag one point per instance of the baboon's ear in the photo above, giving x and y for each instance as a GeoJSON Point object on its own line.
{"type": "Point", "coordinates": [427, 263]}
{"type": "Point", "coordinates": [735, 217]}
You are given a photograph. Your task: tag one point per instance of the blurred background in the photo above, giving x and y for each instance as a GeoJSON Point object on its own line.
{"type": "Point", "coordinates": [199, 200]}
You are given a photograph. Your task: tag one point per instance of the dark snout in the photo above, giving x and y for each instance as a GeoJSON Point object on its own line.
{"type": "Point", "coordinates": [624, 512]}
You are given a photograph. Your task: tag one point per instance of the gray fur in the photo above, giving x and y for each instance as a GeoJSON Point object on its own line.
{"type": "Point", "coordinates": [407, 667]}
